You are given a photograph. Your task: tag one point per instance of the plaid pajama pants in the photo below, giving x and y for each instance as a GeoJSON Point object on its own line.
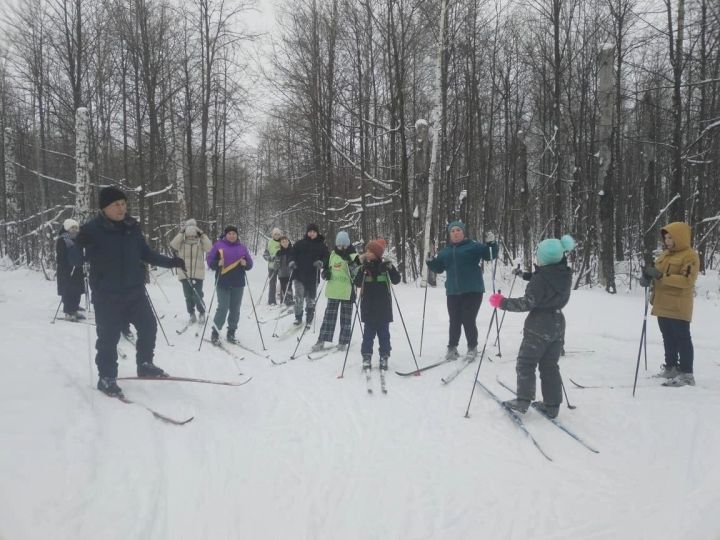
{"type": "Point", "coordinates": [327, 330]}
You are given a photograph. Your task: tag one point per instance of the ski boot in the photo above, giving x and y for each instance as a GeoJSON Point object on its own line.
{"type": "Point", "coordinates": [215, 337]}
{"type": "Point", "coordinates": [366, 358]}
{"type": "Point", "coordinates": [193, 318]}
{"type": "Point", "coordinates": [682, 379]}
{"type": "Point", "coordinates": [231, 337]}
{"type": "Point", "coordinates": [471, 354]}
{"type": "Point", "coordinates": [201, 317]}
{"type": "Point", "coordinates": [452, 353]}
{"type": "Point", "coordinates": [109, 387]}
{"type": "Point", "coordinates": [71, 317]}
{"type": "Point", "coordinates": [342, 347]}
{"type": "Point", "coordinates": [318, 346]}
{"type": "Point", "coordinates": [551, 411]}
{"type": "Point", "coordinates": [148, 369]}
{"type": "Point", "coordinates": [297, 322]}
{"type": "Point", "coordinates": [519, 405]}
{"type": "Point", "coordinates": [667, 372]}
{"type": "Point", "coordinates": [383, 363]}
{"type": "Point", "coordinates": [79, 316]}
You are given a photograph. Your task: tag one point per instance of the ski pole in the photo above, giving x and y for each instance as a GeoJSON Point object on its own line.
{"type": "Point", "coordinates": [357, 313]}
{"type": "Point", "coordinates": [422, 326]}
{"type": "Point", "coordinates": [252, 303]}
{"type": "Point", "coordinates": [292, 356]}
{"type": "Point", "coordinates": [267, 280]}
{"type": "Point", "coordinates": [482, 355]}
{"type": "Point", "coordinates": [567, 400]}
{"type": "Point", "coordinates": [402, 319]}
{"type": "Point", "coordinates": [352, 297]}
{"type": "Point", "coordinates": [158, 285]}
{"type": "Point", "coordinates": [502, 319]}
{"type": "Point", "coordinates": [207, 312]}
{"type": "Point", "coordinates": [56, 311]}
{"type": "Point", "coordinates": [147, 295]}
{"type": "Point", "coordinates": [277, 321]}
{"type": "Point", "coordinates": [643, 337]}
{"type": "Point", "coordinates": [497, 323]}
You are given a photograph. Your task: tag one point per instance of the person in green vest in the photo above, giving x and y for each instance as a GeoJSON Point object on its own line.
{"type": "Point", "coordinates": [270, 255]}
{"type": "Point", "coordinates": [340, 268]}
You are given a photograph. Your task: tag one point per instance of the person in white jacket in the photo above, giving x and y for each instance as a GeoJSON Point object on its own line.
{"type": "Point", "coordinates": [191, 245]}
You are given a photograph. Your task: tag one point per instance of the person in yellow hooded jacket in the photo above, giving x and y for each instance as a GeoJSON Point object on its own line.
{"type": "Point", "coordinates": [673, 285]}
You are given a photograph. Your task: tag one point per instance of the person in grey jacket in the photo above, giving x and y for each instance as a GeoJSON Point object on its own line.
{"type": "Point", "coordinates": [544, 332]}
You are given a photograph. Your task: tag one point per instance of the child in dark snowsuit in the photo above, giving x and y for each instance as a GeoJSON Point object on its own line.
{"type": "Point", "coordinates": [544, 332]}
{"type": "Point", "coordinates": [374, 278]}
{"type": "Point", "coordinates": [282, 261]}
{"type": "Point", "coordinates": [70, 275]}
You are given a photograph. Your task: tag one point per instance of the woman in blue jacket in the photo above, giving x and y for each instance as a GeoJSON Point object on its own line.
{"type": "Point", "coordinates": [464, 284]}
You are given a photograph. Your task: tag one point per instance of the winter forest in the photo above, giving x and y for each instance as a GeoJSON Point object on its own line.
{"type": "Point", "coordinates": [528, 118]}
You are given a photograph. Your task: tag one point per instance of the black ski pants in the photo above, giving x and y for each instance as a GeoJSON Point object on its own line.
{"type": "Point", "coordinates": [113, 312]}
{"type": "Point", "coordinates": [678, 343]}
{"type": "Point", "coordinates": [538, 352]}
{"type": "Point", "coordinates": [463, 310]}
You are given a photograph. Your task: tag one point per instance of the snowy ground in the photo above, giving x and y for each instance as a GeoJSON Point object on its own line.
{"type": "Point", "coordinates": [298, 453]}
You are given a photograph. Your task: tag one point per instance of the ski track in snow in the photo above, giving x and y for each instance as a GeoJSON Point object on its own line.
{"type": "Point", "coordinates": [299, 453]}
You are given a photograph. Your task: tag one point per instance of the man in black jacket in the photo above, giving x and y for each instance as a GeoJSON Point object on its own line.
{"type": "Point", "coordinates": [306, 262]}
{"type": "Point", "coordinates": [116, 250]}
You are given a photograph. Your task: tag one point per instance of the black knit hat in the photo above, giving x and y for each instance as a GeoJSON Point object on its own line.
{"type": "Point", "coordinates": [109, 195]}
{"type": "Point", "coordinates": [231, 228]}
{"type": "Point", "coordinates": [312, 227]}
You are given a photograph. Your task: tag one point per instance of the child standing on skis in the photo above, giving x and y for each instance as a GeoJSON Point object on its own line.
{"type": "Point", "coordinates": [374, 278]}
{"type": "Point", "coordinates": [282, 260]}
{"type": "Point", "coordinates": [339, 270]}
{"type": "Point", "coordinates": [544, 333]}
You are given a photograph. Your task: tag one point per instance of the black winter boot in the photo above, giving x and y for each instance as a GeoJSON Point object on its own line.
{"type": "Point", "coordinates": [215, 337]}
{"type": "Point", "coordinates": [384, 363]}
{"type": "Point", "coordinates": [231, 336]}
{"type": "Point", "coordinates": [519, 405]}
{"type": "Point", "coordinates": [148, 369]}
{"type": "Point", "coordinates": [108, 386]}
{"type": "Point", "coordinates": [366, 361]}
{"type": "Point", "coordinates": [551, 411]}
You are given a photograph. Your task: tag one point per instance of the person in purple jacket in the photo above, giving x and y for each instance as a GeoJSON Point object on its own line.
{"type": "Point", "coordinates": [230, 259]}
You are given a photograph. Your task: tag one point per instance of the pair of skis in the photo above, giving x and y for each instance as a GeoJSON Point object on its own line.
{"type": "Point", "coordinates": [163, 417]}
{"type": "Point", "coordinates": [369, 381]}
{"type": "Point", "coordinates": [517, 419]}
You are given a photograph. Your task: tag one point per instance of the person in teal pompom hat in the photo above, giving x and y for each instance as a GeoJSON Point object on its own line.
{"type": "Point", "coordinates": [544, 333]}
{"type": "Point", "coordinates": [464, 285]}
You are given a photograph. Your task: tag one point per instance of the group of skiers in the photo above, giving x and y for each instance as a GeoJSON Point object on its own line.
{"type": "Point", "coordinates": [113, 245]}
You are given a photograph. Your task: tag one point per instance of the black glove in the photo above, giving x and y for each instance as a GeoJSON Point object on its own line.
{"type": "Point", "coordinates": [292, 265]}
{"type": "Point", "coordinates": [651, 272]}
{"type": "Point", "coordinates": [518, 272]}
{"type": "Point", "coordinates": [318, 264]}
{"type": "Point", "coordinates": [326, 274]}
{"type": "Point", "coordinates": [644, 282]}
{"type": "Point", "coordinates": [178, 262]}
{"type": "Point", "coordinates": [386, 266]}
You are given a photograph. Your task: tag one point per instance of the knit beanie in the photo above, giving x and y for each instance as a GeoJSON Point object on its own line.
{"type": "Point", "coordinates": [456, 223]}
{"type": "Point", "coordinates": [276, 233]}
{"type": "Point", "coordinates": [552, 250]}
{"type": "Point", "coordinates": [231, 228]}
{"type": "Point", "coordinates": [376, 247]}
{"type": "Point", "coordinates": [70, 223]}
{"type": "Point", "coordinates": [191, 229]}
{"type": "Point", "coordinates": [109, 195]}
{"type": "Point", "coordinates": [342, 239]}
{"type": "Point", "coordinates": [312, 227]}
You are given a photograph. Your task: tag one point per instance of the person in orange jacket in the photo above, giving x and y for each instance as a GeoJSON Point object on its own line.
{"type": "Point", "coordinates": [673, 282]}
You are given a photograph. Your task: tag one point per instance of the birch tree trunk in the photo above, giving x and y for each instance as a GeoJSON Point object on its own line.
{"type": "Point", "coordinates": [435, 121]}
{"type": "Point", "coordinates": [606, 93]}
{"type": "Point", "coordinates": [12, 208]}
{"type": "Point", "coordinates": [82, 167]}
